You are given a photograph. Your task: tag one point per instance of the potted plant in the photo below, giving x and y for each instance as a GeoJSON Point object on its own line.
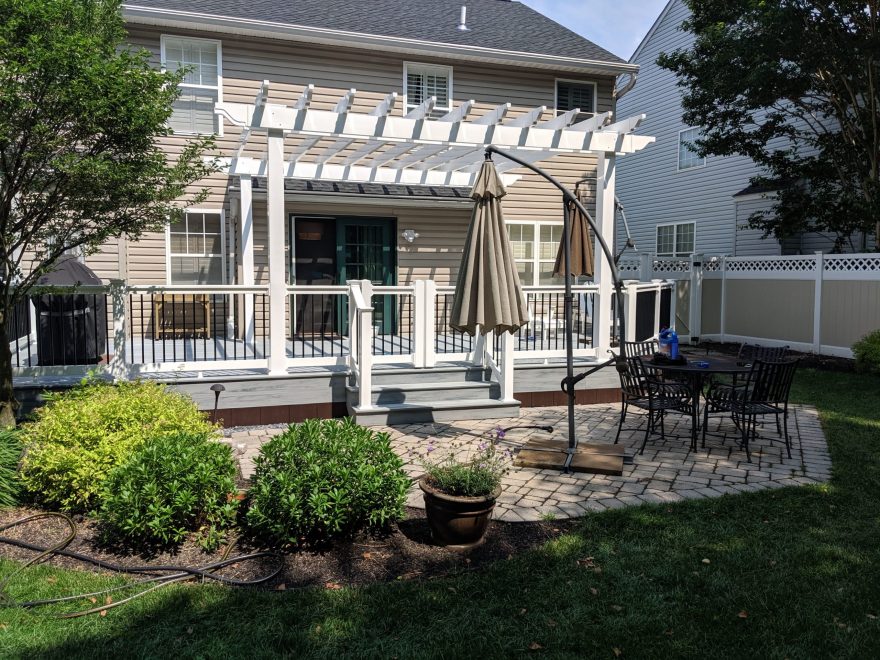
{"type": "Point", "coordinates": [460, 494]}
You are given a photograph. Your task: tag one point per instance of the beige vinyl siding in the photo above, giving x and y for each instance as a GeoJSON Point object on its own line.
{"type": "Point", "coordinates": [289, 67]}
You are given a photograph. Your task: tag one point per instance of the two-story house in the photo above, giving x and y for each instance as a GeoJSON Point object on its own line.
{"type": "Point", "coordinates": [349, 135]}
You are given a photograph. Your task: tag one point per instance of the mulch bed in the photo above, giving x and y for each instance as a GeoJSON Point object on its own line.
{"type": "Point", "coordinates": [808, 360]}
{"type": "Point", "coordinates": [404, 553]}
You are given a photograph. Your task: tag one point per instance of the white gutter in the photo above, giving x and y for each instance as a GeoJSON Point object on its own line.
{"type": "Point", "coordinates": [267, 29]}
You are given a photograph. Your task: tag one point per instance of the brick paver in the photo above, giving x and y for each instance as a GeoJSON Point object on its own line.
{"type": "Point", "coordinates": [666, 472]}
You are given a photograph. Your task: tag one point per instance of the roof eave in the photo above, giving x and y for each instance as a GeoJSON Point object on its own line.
{"type": "Point", "coordinates": [134, 14]}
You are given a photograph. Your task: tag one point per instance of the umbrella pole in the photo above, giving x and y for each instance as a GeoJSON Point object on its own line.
{"type": "Point", "coordinates": [569, 330]}
{"type": "Point", "coordinates": [569, 382]}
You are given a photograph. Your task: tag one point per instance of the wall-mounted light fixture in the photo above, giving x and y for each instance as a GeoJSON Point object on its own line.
{"type": "Point", "coordinates": [409, 235]}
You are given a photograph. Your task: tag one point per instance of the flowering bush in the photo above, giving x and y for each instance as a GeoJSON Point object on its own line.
{"type": "Point", "coordinates": [478, 476]}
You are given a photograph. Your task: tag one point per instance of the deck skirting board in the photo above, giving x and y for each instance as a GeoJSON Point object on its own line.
{"type": "Point", "coordinates": [288, 414]}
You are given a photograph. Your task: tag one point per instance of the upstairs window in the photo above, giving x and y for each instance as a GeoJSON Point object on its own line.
{"type": "Point", "coordinates": [195, 249]}
{"type": "Point", "coordinates": [201, 88]}
{"type": "Point", "coordinates": [676, 240]}
{"type": "Point", "coordinates": [422, 81]}
{"type": "Point", "coordinates": [571, 95]}
{"type": "Point", "coordinates": [687, 155]}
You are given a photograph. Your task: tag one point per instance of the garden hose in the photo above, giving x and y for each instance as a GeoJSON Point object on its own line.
{"type": "Point", "coordinates": [176, 573]}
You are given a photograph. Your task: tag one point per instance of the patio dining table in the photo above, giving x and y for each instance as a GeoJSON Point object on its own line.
{"type": "Point", "coordinates": [696, 373]}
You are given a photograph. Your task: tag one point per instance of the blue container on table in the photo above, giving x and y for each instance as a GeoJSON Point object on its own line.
{"type": "Point", "coordinates": [669, 343]}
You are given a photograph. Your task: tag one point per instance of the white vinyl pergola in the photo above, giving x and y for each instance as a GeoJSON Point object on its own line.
{"type": "Point", "coordinates": [379, 146]}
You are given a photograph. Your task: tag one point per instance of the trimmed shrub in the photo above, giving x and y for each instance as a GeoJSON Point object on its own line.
{"type": "Point", "coordinates": [80, 435]}
{"type": "Point", "coordinates": [323, 479]}
{"type": "Point", "coordinates": [867, 353]}
{"type": "Point", "coordinates": [170, 487]}
{"type": "Point", "coordinates": [10, 455]}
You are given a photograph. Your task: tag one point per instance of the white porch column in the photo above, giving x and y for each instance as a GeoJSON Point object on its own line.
{"type": "Point", "coordinates": [277, 275]}
{"type": "Point", "coordinates": [696, 298]}
{"type": "Point", "coordinates": [606, 175]}
{"type": "Point", "coordinates": [247, 253]}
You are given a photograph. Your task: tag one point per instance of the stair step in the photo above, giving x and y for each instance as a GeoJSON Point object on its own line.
{"type": "Point", "coordinates": [438, 411]}
{"type": "Point", "coordinates": [428, 392]}
{"type": "Point", "coordinates": [383, 375]}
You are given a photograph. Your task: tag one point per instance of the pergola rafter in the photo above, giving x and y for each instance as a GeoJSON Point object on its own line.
{"type": "Point", "coordinates": [416, 148]}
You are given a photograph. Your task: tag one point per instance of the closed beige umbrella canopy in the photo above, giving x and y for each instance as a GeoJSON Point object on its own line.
{"type": "Point", "coordinates": [488, 293]}
{"type": "Point", "coordinates": [581, 246]}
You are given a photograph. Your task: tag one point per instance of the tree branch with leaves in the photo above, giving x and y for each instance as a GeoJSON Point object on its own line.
{"type": "Point", "coordinates": [795, 86]}
{"type": "Point", "coordinates": [81, 117]}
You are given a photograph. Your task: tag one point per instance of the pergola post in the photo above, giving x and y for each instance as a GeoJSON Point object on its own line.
{"type": "Point", "coordinates": [606, 175]}
{"type": "Point", "coordinates": [247, 254]}
{"type": "Point", "coordinates": [277, 270]}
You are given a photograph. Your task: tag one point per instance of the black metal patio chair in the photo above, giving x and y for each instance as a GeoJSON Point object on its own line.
{"type": "Point", "coordinates": [643, 349]}
{"type": "Point", "coordinates": [640, 389]}
{"type": "Point", "coordinates": [765, 392]}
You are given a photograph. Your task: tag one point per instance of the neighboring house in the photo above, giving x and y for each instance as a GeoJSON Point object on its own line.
{"type": "Point", "coordinates": [354, 162]}
{"type": "Point", "coordinates": [675, 202]}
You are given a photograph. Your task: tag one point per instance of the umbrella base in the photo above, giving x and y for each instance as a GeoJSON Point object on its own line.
{"type": "Point", "coordinates": [554, 455]}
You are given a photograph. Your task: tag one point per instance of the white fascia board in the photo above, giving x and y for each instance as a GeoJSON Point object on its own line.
{"type": "Point", "coordinates": [651, 32]}
{"type": "Point", "coordinates": [136, 15]}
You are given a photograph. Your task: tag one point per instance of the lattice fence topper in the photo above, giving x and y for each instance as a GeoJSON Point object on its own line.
{"type": "Point", "coordinates": [712, 264]}
{"type": "Point", "coordinates": [672, 266]}
{"type": "Point", "coordinates": [775, 265]}
{"type": "Point", "coordinates": [851, 264]}
{"type": "Point", "coordinates": [628, 266]}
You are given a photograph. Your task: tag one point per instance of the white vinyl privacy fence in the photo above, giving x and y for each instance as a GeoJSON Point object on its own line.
{"type": "Point", "coordinates": [820, 303]}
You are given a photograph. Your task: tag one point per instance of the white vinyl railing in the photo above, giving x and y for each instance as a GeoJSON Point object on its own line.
{"type": "Point", "coordinates": [128, 330]}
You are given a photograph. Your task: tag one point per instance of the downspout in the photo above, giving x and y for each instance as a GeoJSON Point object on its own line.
{"type": "Point", "coordinates": [619, 92]}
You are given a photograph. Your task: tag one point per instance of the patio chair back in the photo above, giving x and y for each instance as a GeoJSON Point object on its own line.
{"type": "Point", "coordinates": [634, 377]}
{"type": "Point", "coordinates": [640, 348]}
{"type": "Point", "coordinates": [769, 382]}
{"type": "Point", "coordinates": [752, 352]}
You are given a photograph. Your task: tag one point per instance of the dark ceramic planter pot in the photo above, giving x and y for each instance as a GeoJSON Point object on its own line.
{"type": "Point", "coordinates": [457, 522]}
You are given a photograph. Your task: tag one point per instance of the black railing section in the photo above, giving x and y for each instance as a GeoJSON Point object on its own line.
{"type": "Point", "coordinates": [178, 327]}
{"type": "Point", "coordinates": [320, 325]}
{"type": "Point", "coordinates": [447, 340]}
{"type": "Point", "coordinates": [393, 324]}
{"type": "Point", "coordinates": [71, 330]}
{"type": "Point", "coordinates": [546, 328]}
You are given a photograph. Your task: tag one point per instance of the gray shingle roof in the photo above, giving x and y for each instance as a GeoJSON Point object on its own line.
{"type": "Point", "coordinates": [499, 24]}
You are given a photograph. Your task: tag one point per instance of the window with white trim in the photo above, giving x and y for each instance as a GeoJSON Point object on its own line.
{"type": "Point", "coordinates": [195, 248]}
{"type": "Point", "coordinates": [571, 95]}
{"type": "Point", "coordinates": [422, 81]}
{"type": "Point", "coordinates": [676, 240]}
{"type": "Point", "coordinates": [535, 259]}
{"type": "Point", "coordinates": [688, 158]}
{"type": "Point", "coordinates": [201, 87]}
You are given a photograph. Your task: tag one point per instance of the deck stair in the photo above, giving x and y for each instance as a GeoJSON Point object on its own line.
{"type": "Point", "coordinates": [444, 393]}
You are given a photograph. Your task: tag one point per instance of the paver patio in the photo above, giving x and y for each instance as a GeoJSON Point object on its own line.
{"type": "Point", "coordinates": [666, 472]}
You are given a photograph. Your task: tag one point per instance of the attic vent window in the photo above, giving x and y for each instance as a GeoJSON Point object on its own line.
{"type": "Point", "coordinates": [422, 81]}
{"type": "Point", "coordinates": [571, 95]}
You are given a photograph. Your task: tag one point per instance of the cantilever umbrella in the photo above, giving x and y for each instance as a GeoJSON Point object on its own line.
{"type": "Point", "coordinates": [488, 293]}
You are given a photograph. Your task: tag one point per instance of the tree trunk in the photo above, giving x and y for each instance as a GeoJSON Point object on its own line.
{"type": "Point", "coordinates": [8, 402]}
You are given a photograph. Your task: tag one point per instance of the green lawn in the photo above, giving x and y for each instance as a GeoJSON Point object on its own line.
{"type": "Point", "coordinates": [793, 573]}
